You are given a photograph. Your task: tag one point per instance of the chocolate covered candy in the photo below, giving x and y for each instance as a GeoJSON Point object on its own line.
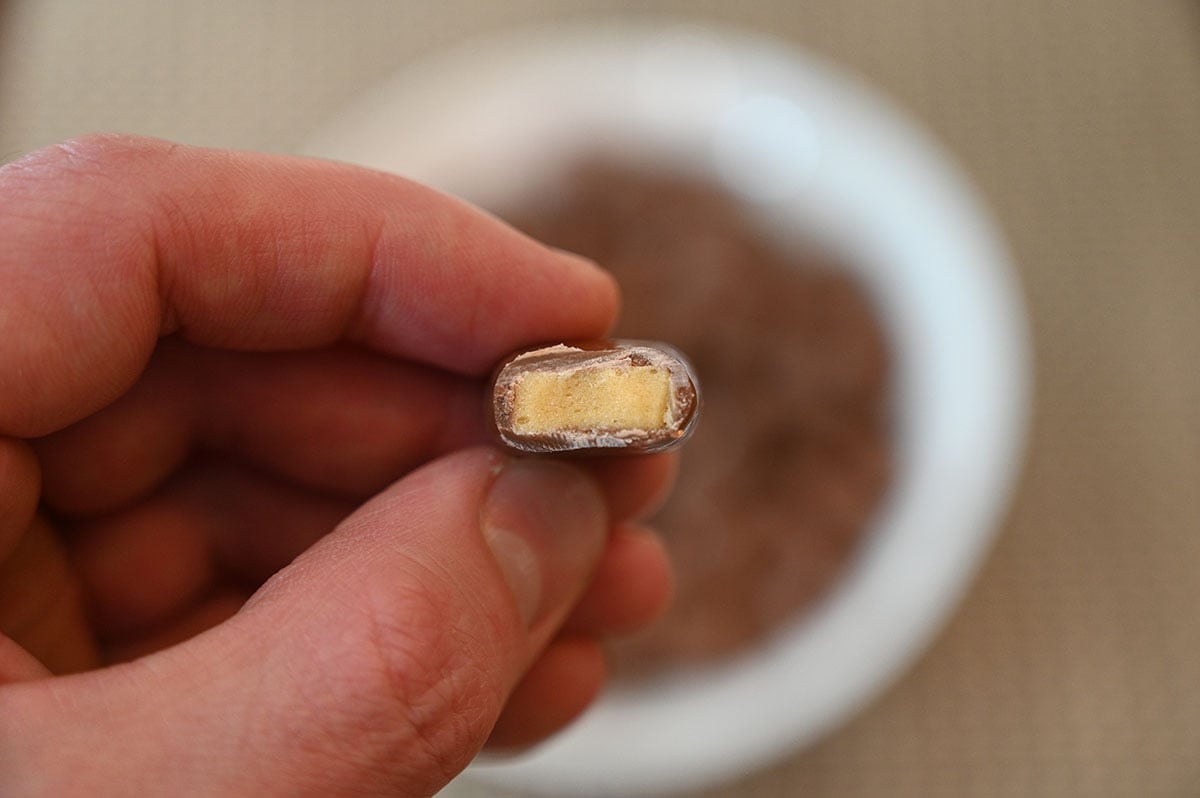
{"type": "Point", "coordinates": [618, 396]}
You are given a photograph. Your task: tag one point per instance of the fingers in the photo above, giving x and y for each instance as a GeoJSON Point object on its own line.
{"type": "Point", "coordinates": [340, 420]}
{"type": "Point", "coordinates": [17, 664]}
{"type": "Point", "coordinates": [20, 484]}
{"type": "Point", "coordinates": [217, 607]}
{"type": "Point", "coordinates": [40, 608]}
{"type": "Point", "coordinates": [112, 241]}
{"type": "Point", "coordinates": [377, 662]}
{"type": "Point", "coordinates": [216, 524]}
{"type": "Point", "coordinates": [185, 545]}
{"type": "Point", "coordinates": [635, 486]}
{"type": "Point", "coordinates": [555, 691]}
{"type": "Point", "coordinates": [168, 550]}
{"type": "Point", "coordinates": [630, 588]}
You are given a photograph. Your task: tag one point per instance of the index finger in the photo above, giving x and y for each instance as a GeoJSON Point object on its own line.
{"type": "Point", "coordinates": [112, 241]}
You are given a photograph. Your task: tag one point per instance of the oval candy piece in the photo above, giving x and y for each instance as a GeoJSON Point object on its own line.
{"type": "Point", "coordinates": [614, 396]}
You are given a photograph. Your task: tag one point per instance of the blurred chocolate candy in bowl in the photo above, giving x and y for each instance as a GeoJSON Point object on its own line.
{"type": "Point", "coordinates": [864, 463]}
{"type": "Point", "coordinates": [792, 459]}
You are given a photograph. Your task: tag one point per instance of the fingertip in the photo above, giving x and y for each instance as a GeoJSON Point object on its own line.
{"type": "Point", "coordinates": [631, 588]}
{"type": "Point", "coordinates": [635, 487]}
{"type": "Point", "coordinates": [605, 286]}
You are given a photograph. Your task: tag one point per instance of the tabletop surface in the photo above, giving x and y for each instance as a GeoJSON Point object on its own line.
{"type": "Point", "coordinates": [1071, 668]}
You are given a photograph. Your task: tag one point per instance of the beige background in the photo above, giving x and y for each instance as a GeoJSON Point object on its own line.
{"type": "Point", "coordinates": [1074, 666]}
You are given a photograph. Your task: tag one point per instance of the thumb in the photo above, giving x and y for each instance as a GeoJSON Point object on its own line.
{"type": "Point", "coordinates": [380, 659]}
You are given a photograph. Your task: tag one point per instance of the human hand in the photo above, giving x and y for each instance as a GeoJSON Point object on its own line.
{"type": "Point", "coordinates": [240, 458]}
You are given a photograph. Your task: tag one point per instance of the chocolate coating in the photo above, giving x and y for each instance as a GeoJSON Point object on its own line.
{"type": "Point", "coordinates": [665, 430]}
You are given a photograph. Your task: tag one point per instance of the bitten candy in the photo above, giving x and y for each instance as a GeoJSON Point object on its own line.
{"type": "Point", "coordinates": [615, 396]}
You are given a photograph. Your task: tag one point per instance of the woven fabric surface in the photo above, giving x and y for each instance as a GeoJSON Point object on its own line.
{"type": "Point", "coordinates": [1073, 666]}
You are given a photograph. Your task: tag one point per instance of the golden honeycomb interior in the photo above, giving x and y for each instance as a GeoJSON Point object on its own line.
{"type": "Point", "coordinates": [634, 397]}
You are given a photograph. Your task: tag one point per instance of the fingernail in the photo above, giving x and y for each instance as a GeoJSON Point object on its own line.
{"type": "Point", "coordinates": [545, 523]}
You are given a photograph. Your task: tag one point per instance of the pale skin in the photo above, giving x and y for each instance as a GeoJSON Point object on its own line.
{"type": "Point", "coordinates": [252, 537]}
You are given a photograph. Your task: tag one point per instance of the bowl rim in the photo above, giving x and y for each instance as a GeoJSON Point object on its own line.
{"type": "Point", "coordinates": [969, 355]}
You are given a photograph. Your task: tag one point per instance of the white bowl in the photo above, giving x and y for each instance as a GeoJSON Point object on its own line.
{"type": "Point", "coordinates": [819, 157]}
